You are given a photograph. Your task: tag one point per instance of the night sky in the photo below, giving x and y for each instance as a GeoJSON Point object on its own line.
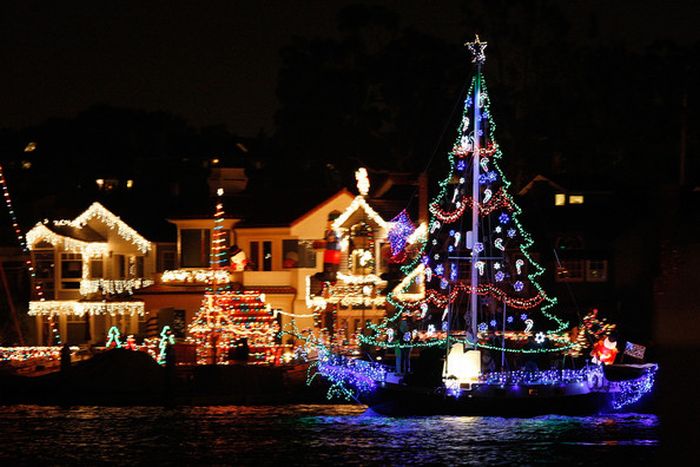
{"type": "Point", "coordinates": [219, 63]}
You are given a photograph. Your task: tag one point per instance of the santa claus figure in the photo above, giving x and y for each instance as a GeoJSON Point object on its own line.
{"type": "Point", "coordinates": [604, 351]}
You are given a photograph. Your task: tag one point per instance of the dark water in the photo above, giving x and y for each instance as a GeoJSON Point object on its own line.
{"type": "Point", "coordinates": [314, 435]}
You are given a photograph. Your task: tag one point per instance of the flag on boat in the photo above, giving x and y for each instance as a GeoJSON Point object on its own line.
{"type": "Point", "coordinates": [635, 350]}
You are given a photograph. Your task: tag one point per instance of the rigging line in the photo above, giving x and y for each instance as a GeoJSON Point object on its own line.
{"type": "Point", "coordinates": [570, 291]}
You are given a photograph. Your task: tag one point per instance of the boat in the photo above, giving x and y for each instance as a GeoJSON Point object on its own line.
{"type": "Point", "coordinates": [489, 338]}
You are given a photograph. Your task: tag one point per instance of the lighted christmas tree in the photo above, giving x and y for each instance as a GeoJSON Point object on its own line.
{"type": "Point", "coordinates": [475, 280]}
{"type": "Point", "coordinates": [231, 326]}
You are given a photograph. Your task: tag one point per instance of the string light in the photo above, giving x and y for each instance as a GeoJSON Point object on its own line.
{"type": "Point", "coordinates": [78, 308]}
{"type": "Point", "coordinates": [198, 276]}
{"type": "Point", "coordinates": [359, 203]}
{"type": "Point", "coordinates": [110, 287]}
{"type": "Point", "coordinates": [629, 392]}
{"type": "Point", "coordinates": [96, 210]}
{"type": "Point", "coordinates": [22, 354]}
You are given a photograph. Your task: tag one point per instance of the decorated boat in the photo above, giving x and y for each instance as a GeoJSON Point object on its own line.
{"type": "Point", "coordinates": [470, 328]}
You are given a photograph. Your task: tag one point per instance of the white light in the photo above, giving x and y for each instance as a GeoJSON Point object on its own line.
{"type": "Point", "coordinates": [362, 181]}
{"type": "Point", "coordinates": [72, 307]}
{"type": "Point", "coordinates": [464, 366]}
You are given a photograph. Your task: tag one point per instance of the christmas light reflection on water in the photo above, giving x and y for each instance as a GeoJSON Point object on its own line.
{"type": "Point", "coordinates": [315, 434]}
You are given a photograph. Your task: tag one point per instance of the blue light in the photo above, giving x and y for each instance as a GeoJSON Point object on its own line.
{"type": "Point", "coordinates": [345, 373]}
{"type": "Point", "coordinates": [488, 177]}
{"type": "Point", "coordinates": [633, 390]}
{"type": "Point", "coordinates": [439, 269]}
{"type": "Point", "coordinates": [499, 276]}
{"type": "Point", "coordinates": [461, 165]}
{"type": "Point", "coordinates": [504, 218]}
{"type": "Point", "coordinates": [493, 323]}
{"type": "Point", "coordinates": [518, 286]}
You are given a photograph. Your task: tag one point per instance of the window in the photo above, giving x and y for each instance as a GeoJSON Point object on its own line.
{"type": "Point", "coordinates": [267, 256]}
{"type": "Point", "coordinates": [120, 266]}
{"type": "Point", "coordinates": [140, 271]}
{"type": "Point", "coordinates": [576, 199]}
{"type": "Point", "coordinates": [195, 248]}
{"type": "Point", "coordinates": [261, 260]}
{"type": "Point", "coordinates": [596, 270]}
{"type": "Point", "coordinates": [167, 257]}
{"type": "Point", "coordinates": [71, 270]}
{"type": "Point", "coordinates": [298, 254]}
{"type": "Point", "coordinates": [571, 270]}
{"type": "Point", "coordinates": [96, 268]}
{"type": "Point", "coordinates": [254, 255]}
{"type": "Point", "coordinates": [560, 199]}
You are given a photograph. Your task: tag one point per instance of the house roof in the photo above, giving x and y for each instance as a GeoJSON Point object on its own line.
{"type": "Point", "coordinates": [77, 229]}
{"type": "Point", "coordinates": [570, 184]}
{"type": "Point", "coordinates": [285, 211]}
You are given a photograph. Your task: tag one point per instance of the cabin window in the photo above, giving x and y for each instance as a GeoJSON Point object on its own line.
{"type": "Point", "coordinates": [560, 199]}
{"type": "Point", "coordinates": [576, 199]}
{"type": "Point", "coordinates": [254, 253]}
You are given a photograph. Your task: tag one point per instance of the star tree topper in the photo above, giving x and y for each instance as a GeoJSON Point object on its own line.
{"type": "Point", "coordinates": [477, 49]}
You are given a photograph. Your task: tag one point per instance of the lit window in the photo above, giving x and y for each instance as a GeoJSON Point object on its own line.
{"type": "Point", "coordinates": [71, 270]}
{"type": "Point", "coordinates": [576, 199]}
{"type": "Point", "coordinates": [570, 271]}
{"type": "Point", "coordinates": [129, 183]}
{"type": "Point", "coordinates": [596, 270]}
{"type": "Point", "coordinates": [100, 182]}
{"type": "Point", "coordinates": [30, 147]}
{"type": "Point", "coordinates": [559, 199]}
{"type": "Point", "coordinates": [26, 165]}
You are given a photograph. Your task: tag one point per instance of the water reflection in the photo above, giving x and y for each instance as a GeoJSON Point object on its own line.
{"type": "Point", "coordinates": [315, 434]}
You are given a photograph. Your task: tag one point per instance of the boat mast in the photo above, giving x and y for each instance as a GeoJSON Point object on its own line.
{"type": "Point", "coordinates": [477, 50]}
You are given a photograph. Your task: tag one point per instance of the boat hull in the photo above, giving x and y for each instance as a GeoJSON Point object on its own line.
{"type": "Point", "coordinates": [400, 400]}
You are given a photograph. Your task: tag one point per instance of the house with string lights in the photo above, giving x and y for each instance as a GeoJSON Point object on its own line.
{"type": "Point", "coordinates": [272, 254]}
{"type": "Point", "coordinates": [86, 271]}
{"type": "Point", "coordinates": [318, 266]}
